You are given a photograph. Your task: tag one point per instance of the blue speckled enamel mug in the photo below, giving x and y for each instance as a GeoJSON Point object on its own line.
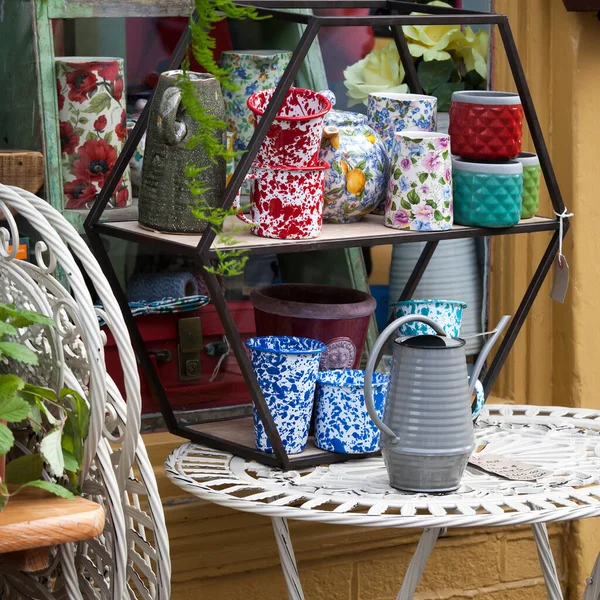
{"type": "Point", "coordinates": [286, 368]}
{"type": "Point", "coordinates": [448, 313]}
{"type": "Point", "coordinates": [342, 423]}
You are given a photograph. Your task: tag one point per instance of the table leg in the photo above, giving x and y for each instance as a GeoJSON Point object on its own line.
{"type": "Point", "coordinates": [287, 558]}
{"type": "Point", "coordinates": [540, 533]}
{"type": "Point", "coordinates": [418, 563]}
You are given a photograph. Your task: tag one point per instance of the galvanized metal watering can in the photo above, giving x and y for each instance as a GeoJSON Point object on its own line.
{"type": "Point", "coordinates": [427, 425]}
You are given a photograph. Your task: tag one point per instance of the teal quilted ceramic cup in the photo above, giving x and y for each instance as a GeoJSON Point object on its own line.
{"type": "Point", "coordinates": [531, 183]}
{"type": "Point", "coordinates": [487, 194]}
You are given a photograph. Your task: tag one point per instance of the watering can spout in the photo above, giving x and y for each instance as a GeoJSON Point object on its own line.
{"type": "Point", "coordinates": [486, 350]}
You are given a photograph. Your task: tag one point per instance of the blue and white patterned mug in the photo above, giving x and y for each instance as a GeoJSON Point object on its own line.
{"type": "Point", "coordinates": [342, 423]}
{"type": "Point", "coordinates": [389, 112]}
{"type": "Point", "coordinates": [448, 313]}
{"type": "Point", "coordinates": [286, 368]}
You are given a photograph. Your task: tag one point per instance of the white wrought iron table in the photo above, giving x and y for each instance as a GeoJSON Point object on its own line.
{"type": "Point", "coordinates": [563, 442]}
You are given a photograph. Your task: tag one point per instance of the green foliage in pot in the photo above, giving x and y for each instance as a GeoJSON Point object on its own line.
{"type": "Point", "coordinates": [58, 422]}
{"type": "Point", "coordinates": [230, 262]}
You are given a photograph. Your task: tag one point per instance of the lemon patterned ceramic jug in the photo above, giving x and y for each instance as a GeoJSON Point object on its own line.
{"type": "Point", "coordinates": [356, 182]}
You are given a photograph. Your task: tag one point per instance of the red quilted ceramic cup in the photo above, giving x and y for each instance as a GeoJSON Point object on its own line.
{"type": "Point", "coordinates": [486, 125]}
{"type": "Point", "coordinates": [294, 137]}
{"type": "Point", "coordinates": [286, 203]}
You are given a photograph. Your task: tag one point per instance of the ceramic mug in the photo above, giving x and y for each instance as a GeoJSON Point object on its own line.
{"type": "Point", "coordinates": [286, 369]}
{"type": "Point", "coordinates": [389, 112]}
{"type": "Point", "coordinates": [419, 195]}
{"type": "Point", "coordinates": [531, 184]}
{"type": "Point", "coordinates": [286, 203]}
{"type": "Point", "coordinates": [447, 313]}
{"type": "Point", "coordinates": [342, 422]}
{"type": "Point", "coordinates": [294, 137]}
{"type": "Point", "coordinates": [486, 125]}
{"type": "Point", "coordinates": [487, 194]}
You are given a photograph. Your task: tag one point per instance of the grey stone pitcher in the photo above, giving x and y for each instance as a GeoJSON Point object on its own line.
{"type": "Point", "coordinates": [165, 199]}
{"type": "Point", "coordinates": [427, 424]}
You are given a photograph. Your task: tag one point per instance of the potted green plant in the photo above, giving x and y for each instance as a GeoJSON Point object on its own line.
{"type": "Point", "coordinates": [54, 423]}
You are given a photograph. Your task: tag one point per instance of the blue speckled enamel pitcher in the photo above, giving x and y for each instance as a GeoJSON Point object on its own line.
{"type": "Point", "coordinates": [427, 424]}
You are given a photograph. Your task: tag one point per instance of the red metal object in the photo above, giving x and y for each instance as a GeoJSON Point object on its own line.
{"type": "Point", "coordinates": [339, 317]}
{"type": "Point", "coordinates": [161, 336]}
{"type": "Point", "coordinates": [485, 131]}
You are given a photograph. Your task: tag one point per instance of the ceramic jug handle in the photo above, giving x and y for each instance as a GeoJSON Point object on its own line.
{"type": "Point", "coordinates": [172, 130]}
{"type": "Point", "coordinates": [238, 201]}
{"type": "Point", "coordinates": [381, 340]}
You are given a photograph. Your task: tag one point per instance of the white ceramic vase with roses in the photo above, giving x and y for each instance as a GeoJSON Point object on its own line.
{"type": "Point", "coordinates": [93, 128]}
{"type": "Point", "coordinates": [420, 186]}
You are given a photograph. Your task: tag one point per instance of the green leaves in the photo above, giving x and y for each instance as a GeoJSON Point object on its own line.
{"type": "Point", "coordinates": [13, 409]}
{"type": "Point", "coordinates": [18, 352]}
{"type": "Point", "coordinates": [434, 73]}
{"type": "Point", "coordinates": [406, 205]}
{"type": "Point", "coordinates": [24, 469]}
{"type": "Point", "coordinates": [51, 451]}
{"type": "Point", "coordinates": [438, 215]}
{"type": "Point", "coordinates": [6, 439]}
{"type": "Point", "coordinates": [98, 104]}
{"type": "Point", "coordinates": [22, 318]}
{"type": "Point", "coordinates": [53, 488]}
{"type": "Point", "coordinates": [423, 177]}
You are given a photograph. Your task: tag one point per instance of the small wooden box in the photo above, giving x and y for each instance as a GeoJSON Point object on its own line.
{"type": "Point", "coordinates": [22, 168]}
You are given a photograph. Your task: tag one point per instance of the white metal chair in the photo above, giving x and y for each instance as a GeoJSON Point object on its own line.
{"type": "Point", "coordinates": [131, 558]}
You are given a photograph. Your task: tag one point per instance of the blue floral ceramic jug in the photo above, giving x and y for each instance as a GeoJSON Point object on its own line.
{"type": "Point", "coordinates": [427, 423]}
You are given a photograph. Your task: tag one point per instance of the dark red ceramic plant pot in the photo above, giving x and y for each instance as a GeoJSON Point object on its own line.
{"type": "Point", "coordinates": [337, 316]}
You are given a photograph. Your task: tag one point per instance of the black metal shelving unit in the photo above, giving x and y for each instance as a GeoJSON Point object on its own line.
{"type": "Point", "coordinates": [235, 436]}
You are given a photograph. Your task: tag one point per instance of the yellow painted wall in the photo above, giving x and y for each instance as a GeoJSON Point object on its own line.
{"type": "Point", "coordinates": [221, 554]}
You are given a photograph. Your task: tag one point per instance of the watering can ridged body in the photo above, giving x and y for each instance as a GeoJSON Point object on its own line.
{"type": "Point", "coordinates": [427, 423]}
{"type": "Point", "coordinates": [427, 407]}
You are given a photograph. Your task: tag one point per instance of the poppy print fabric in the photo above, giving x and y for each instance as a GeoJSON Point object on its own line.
{"type": "Point", "coordinates": [92, 128]}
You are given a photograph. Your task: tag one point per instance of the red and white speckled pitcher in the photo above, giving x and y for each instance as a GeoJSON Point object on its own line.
{"type": "Point", "coordinates": [286, 203]}
{"type": "Point", "coordinates": [294, 137]}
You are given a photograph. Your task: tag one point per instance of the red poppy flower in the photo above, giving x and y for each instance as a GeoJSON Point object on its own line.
{"type": "Point", "coordinates": [122, 197]}
{"type": "Point", "coordinates": [81, 84]}
{"type": "Point", "coordinates": [118, 89]}
{"type": "Point", "coordinates": [79, 193]}
{"type": "Point", "coordinates": [100, 123]}
{"type": "Point", "coordinates": [121, 128]}
{"type": "Point", "coordinates": [108, 70]}
{"type": "Point", "coordinates": [61, 98]}
{"type": "Point", "coordinates": [96, 159]}
{"type": "Point", "coordinates": [68, 140]}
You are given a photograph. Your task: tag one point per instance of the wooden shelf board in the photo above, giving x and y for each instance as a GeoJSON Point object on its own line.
{"type": "Point", "coordinates": [241, 431]}
{"type": "Point", "coordinates": [36, 519]}
{"type": "Point", "coordinates": [368, 232]}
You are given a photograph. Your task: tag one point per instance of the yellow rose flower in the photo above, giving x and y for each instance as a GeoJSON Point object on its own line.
{"type": "Point", "coordinates": [431, 42]}
{"type": "Point", "coordinates": [474, 51]}
{"type": "Point", "coordinates": [379, 71]}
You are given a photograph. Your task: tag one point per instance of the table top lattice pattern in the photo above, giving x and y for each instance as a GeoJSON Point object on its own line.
{"type": "Point", "coordinates": [562, 441]}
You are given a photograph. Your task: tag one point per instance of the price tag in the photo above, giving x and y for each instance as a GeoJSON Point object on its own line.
{"type": "Point", "coordinates": [560, 282]}
{"type": "Point", "coordinates": [507, 468]}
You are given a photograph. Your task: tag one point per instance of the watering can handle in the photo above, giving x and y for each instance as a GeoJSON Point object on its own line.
{"type": "Point", "coordinates": [381, 340]}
